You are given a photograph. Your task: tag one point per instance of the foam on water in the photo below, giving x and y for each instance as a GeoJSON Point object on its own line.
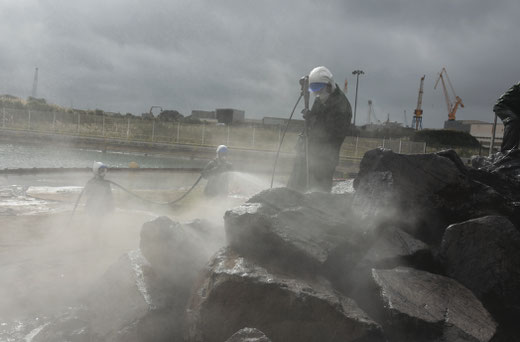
{"type": "Point", "coordinates": [14, 201]}
{"type": "Point", "coordinates": [34, 190]}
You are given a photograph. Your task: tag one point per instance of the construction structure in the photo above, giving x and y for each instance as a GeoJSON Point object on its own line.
{"type": "Point", "coordinates": [417, 114]}
{"type": "Point", "coordinates": [229, 115]}
{"type": "Point", "coordinates": [452, 105]}
{"type": "Point", "coordinates": [481, 130]}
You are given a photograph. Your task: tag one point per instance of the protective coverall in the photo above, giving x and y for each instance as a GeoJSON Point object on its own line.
{"type": "Point", "coordinates": [216, 172]}
{"type": "Point", "coordinates": [507, 108]}
{"type": "Point", "coordinates": [327, 127]}
{"type": "Point", "coordinates": [99, 200]}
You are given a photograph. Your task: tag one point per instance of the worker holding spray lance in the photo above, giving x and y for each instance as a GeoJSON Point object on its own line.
{"type": "Point", "coordinates": [98, 192]}
{"type": "Point", "coordinates": [216, 172]}
{"type": "Point", "coordinates": [326, 126]}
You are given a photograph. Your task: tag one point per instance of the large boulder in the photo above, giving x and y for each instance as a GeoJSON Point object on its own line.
{"type": "Point", "coordinates": [235, 292]}
{"type": "Point", "coordinates": [300, 232]}
{"type": "Point", "coordinates": [505, 164]}
{"type": "Point", "coordinates": [142, 297]}
{"type": "Point", "coordinates": [128, 303]}
{"type": "Point", "coordinates": [178, 251]}
{"type": "Point", "coordinates": [424, 192]}
{"type": "Point", "coordinates": [390, 247]}
{"type": "Point", "coordinates": [415, 305]}
{"type": "Point", "coordinates": [484, 255]}
{"type": "Point", "coordinates": [248, 335]}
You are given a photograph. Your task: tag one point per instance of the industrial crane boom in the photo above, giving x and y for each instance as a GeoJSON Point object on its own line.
{"type": "Point", "coordinates": [452, 108]}
{"type": "Point", "coordinates": [417, 115]}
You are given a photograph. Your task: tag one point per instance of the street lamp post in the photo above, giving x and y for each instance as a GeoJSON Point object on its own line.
{"type": "Point", "coordinates": [357, 73]}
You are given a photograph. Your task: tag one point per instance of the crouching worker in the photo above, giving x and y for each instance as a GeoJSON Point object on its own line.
{"type": "Point", "coordinates": [216, 172]}
{"type": "Point", "coordinates": [98, 193]}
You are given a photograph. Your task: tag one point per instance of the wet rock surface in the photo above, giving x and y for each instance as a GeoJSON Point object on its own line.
{"type": "Point", "coordinates": [302, 232]}
{"type": "Point", "coordinates": [427, 192]}
{"type": "Point", "coordinates": [484, 255]}
{"type": "Point", "coordinates": [129, 303]}
{"type": "Point", "coordinates": [425, 249]}
{"type": "Point", "coordinates": [421, 306]}
{"type": "Point", "coordinates": [248, 335]}
{"type": "Point", "coordinates": [236, 292]}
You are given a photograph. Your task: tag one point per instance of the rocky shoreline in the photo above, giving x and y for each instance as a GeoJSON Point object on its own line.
{"type": "Point", "coordinates": [424, 249]}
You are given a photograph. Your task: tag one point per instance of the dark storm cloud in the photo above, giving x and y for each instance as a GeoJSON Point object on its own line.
{"type": "Point", "coordinates": [126, 56]}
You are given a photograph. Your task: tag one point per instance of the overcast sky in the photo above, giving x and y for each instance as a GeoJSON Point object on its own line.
{"type": "Point", "coordinates": [128, 55]}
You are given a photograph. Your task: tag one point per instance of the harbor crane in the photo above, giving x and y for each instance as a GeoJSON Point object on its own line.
{"type": "Point", "coordinates": [452, 106]}
{"type": "Point", "coordinates": [417, 114]}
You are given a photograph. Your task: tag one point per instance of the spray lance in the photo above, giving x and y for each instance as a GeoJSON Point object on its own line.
{"type": "Point", "coordinates": [304, 84]}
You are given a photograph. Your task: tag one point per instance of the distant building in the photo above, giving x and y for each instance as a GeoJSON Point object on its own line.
{"type": "Point", "coordinates": [229, 115]}
{"type": "Point", "coordinates": [481, 130]}
{"type": "Point", "coordinates": [203, 114]}
{"type": "Point", "coordinates": [253, 122]}
{"type": "Point", "coordinates": [294, 125]}
{"type": "Point", "coordinates": [380, 126]}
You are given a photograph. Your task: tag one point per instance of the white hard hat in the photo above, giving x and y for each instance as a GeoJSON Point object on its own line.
{"type": "Point", "coordinates": [222, 149]}
{"type": "Point", "coordinates": [99, 168]}
{"type": "Point", "coordinates": [320, 77]}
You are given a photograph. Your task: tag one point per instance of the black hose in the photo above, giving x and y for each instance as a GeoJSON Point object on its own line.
{"type": "Point", "coordinates": [154, 202]}
{"type": "Point", "coordinates": [281, 140]}
{"type": "Point", "coordinates": [77, 202]}
{"type": "Point", "coordinates": [139, 197]}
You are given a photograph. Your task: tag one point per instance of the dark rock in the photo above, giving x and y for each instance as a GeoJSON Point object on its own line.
{"type": "Point", "coordinates": [421, 306]}
{"type": "Point", "coordinates": [235, 293]}
{"type": "Point", "coordinates": [317, 233]}
{"type": "Point", "coordinates": [248, 335]}
{"type": "Point", "coordinates": [128, 303]}
{"type": "Point", "coordinates": [334, 205]}
{"type": "Point", "coordinates": [374, 200]}
{"type": "Point", "coordinates": [278, 198]}
{"type": "Point", "coordinates": [506, 164]}
{"type": "Point", "coordinates": [131, 303]}
{"type": "Point", "coordinates": [391, 247]}
{"type": "Point", "coordinates": [424, 193]}
{"type": "Point", "coordinates": [178, 251]}
{"type": "Point", "coordinates": [299, 238]}
{"type": "Point", "coordinates": [484, 255]}
{"type": "Point", "coordinates": [453, 156]}
{"type": "Point", "coordinates": [419, 173]}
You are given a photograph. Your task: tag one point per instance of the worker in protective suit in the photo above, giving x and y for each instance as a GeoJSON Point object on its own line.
{"type": "Point", "coordinates": [216, 172]}
{"type": "Point", "coordinates": [327, 123]}
{"type": "Point", "coordinates": [98, 192]}
{"type": "Point", "coordinates": [507, 108]}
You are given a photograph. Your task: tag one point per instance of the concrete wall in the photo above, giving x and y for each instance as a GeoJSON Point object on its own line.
{"type": "Point", "coordinates": [484, 131]}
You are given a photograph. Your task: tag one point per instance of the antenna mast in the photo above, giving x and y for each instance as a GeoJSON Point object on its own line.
{"type": "Point", "coordinates": [35, 84]}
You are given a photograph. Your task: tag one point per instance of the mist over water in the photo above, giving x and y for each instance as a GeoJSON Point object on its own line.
{"type": "Point", "coordinates": [29, 156]}
{"type": "Point", "coordinates": [50, 259]}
